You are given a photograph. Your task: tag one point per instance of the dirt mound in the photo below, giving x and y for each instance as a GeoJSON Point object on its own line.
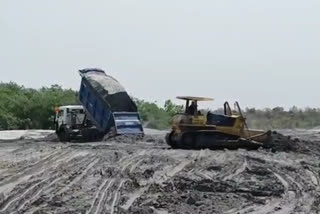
{"type": "Point", "coordinates": [122, 138]}
{"type": "Point", "coordinates": [132, 139]}
{"type": "Point", "coordinates": [151, 136]}
{"type": "Point", "coordinates": [286, 143]}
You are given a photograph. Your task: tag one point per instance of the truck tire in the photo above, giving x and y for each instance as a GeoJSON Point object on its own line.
{"type": "Point", "coordinates": [63, 135]}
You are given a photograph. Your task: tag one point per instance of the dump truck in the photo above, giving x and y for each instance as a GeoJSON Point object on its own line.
{"type": "Point", "coordinates": [193, 129]}
{"type": "Point", "coordinates": [106, 109]}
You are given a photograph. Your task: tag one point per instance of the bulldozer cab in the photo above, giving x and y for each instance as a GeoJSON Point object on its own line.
{"type": "Point", "coordinates": [192, 112]}
{"type": "Point", "coordinates": [192, 104]}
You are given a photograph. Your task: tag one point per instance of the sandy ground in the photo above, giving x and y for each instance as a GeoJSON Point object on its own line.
{"type": "Point", "coordinates": [41, 176]}
{"type": "Point", "coordinates": [23, 134]}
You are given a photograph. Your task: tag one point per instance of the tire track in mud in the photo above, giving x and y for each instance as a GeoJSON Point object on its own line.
{"type": "Point", "coordinates": [29, 171]}
{"type": "Point", "coordinates": [115, 202]}
{"type": "Point", "coordinates": [112, 194]}
{"type": "Point", "coordinates": [296, 198]}
{"type": "Point", "coordinates": [105, 192]}
{"type": "Point", "coordinates": [161, 176]}
{"type": "Point", "coordinates": [6, 205]}
{"type": "Point", "coordinates": [288, 202]}
{"type": "Point", "coordinates": [48, 157]}
{"type": "Point", "coordinates": [131, 166]}
{"type": "Point", "coordinates": [36, 195]}
{"type": "Point", "coordinates": [100, 196]}
{"type": "Point", "coordinates": [304, 199]}
{"type": "Point", "coordinates": [43, 160]}
{"type": "Point", "coordinates": [238, 171]}
{"type": "Point", "coordinates": [52, 176]}
{"type": "Point", "coordinates": [80, 177]}
{"type": "Point", "coordinates": [74, 168]}
{"type": "Point", "coordinates": [126, 162]}
{"type": "Point", "coordinates": [219, 161]}
{"type": "Point", "coordinates": [273, 205]}
{"type": "Point", "coordinates": [31, 193]}
{"type": "Point", "coordinates": [315, 177]}
{"type": "Point", "coordinates": [171, 171]}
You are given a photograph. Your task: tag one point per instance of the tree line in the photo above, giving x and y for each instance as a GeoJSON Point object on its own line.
{"type": "Point", "coordinates": [27, 108]}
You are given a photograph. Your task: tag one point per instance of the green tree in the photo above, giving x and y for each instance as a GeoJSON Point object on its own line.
{"type": "Point", "coordinates": [22, 108]}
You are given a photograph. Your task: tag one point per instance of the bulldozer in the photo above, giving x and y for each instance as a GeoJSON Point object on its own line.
{"type": "Point", "coordinates": [194, 129]}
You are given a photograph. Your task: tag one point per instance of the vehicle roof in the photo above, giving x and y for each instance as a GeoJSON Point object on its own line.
{"type": "Point", "coordinates": [71, 107]}
{"type": "Point", "coordinates": [195, 98]}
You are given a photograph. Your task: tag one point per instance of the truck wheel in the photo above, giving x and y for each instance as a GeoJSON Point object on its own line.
{"type": "Point", "coordinates": [63, 136]}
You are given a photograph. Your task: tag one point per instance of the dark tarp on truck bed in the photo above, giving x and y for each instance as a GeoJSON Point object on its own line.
{"type": "Point", "coordinates": [111, 91]}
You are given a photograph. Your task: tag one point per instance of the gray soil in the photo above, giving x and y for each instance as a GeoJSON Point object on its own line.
{"type": "Point", "coordinates": [145, 176]}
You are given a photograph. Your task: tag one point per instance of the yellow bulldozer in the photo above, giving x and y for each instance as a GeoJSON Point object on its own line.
{"type": "Point", "coordinates": [194, 129]}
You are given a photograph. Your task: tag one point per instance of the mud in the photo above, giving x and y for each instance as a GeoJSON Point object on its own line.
{"type": "Point", "coordinates": [287, 142]}
{"type": "Point", "coordinates": [145, 176]}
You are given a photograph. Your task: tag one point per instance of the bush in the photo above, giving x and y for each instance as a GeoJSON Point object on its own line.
{"type": "Point", "coordinates": [157, 117]}
{"type": "Point", "coordinates": [25, 108]}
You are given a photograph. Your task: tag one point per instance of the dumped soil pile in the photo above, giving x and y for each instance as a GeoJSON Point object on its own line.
{"type": "Point", "coordinates": [286, 143]}
{"type": "Point", "coordinates": [136, 139]}
{"type": "Point", "coordinates": [151, 136]}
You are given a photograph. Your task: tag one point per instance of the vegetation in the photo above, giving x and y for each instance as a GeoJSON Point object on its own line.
{"type": "Point", "coordinates": [278, 118]}
{"type": "Point", "coordinates": [25, 108]}
{"type": "Point", "coordinates": [156, 117]}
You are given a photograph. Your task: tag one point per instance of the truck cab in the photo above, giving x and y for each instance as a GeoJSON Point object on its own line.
{"type": "Point", "coordinates": [71, 123]}
{"type": "Point", "coordinates": [69, 115]}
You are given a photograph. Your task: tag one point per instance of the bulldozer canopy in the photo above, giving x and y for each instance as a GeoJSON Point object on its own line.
{"type": "Point", "coordinates": [194, 98]}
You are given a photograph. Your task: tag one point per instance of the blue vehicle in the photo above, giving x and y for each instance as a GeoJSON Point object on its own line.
{"type": "Point", "coordinates": [107, 109]}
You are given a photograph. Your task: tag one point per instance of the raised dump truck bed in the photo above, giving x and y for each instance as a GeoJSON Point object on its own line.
{"type": "Point", "coordinates": [107, 104]}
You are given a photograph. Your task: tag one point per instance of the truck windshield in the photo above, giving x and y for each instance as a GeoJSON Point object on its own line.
{"type": "Point", "coordinates": [75, 111]}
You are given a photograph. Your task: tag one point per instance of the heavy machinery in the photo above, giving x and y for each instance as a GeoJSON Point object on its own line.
{"type": "Point", "coordinates": [195, 130]}
{"type": "Point", "coordinates": [106, 109]}
{"type": "Point", "coordinates": [72, 123]}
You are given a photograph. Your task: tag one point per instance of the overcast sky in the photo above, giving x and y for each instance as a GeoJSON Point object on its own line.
{"type": "Point", "coordinates": [263, 53]}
